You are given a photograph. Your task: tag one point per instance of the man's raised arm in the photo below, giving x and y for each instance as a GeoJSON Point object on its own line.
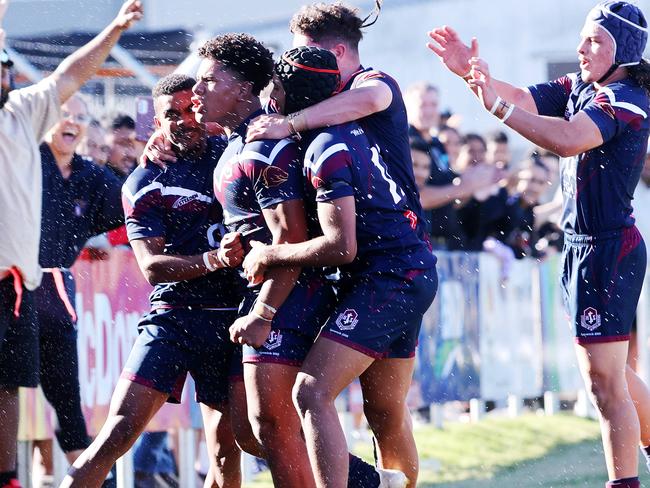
{"type": "Point", "coordinates": [77, 68]}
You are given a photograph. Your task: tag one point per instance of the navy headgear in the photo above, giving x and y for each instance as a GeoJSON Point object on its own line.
{"type": "Point", "coordinates": [626, 25]}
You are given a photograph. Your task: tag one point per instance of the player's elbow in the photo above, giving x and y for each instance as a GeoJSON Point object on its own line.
{"type": "Point", "coordinates": [346, 250]}
{"type": "Point", "coordinates": [152, 273]}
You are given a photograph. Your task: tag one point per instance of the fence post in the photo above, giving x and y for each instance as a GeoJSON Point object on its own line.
{"type": "Point", "coordinates": [551, 403]}
{"type": "Point", "coordinates": [186, 457]}
{"type": "Point", "coordinates": [24, 462]}
{"type": "Point", "coordinates": [60, 463]}
{"type": "Point", "coordinates": [514, 406]}
{"type": "Point", "coordinates": [476, 409]}
{"type": "Point", "coordinates": [437, 415]}
{"type": "Point", "coordinates": [124, 470]}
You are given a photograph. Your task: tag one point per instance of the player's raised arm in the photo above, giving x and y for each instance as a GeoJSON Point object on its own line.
{"type": "Point", "coordinates": [458, 58]}
{"type": "Point", "coordinates": [4, 4]}
{"type": "Point", "coordinates": [77, 68]}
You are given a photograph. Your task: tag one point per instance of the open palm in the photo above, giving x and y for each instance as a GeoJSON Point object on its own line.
{"type": "Point", "coordinates": [451, 50]}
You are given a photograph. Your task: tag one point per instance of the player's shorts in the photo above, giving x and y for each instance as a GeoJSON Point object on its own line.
{"type": "Point", "coordinates": [19, 350]}
{"type": "Point", "coordinates": [174, 342]}
{"type": "Point", "coordinates": [380, 313]}
{"type": "Point", "coordinates": [601, 283]}
{"type": "Point", "coordinates": [296, 323]}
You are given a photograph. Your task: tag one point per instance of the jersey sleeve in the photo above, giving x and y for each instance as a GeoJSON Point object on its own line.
{"type": "Point", "coordinates": [616, 107]}
{"type": "Point", "coordinates": [143, 205]}
{"type": "Point", "coordinates": [551, 98]}
{"type": "Point", "coordinates": [274, 171]}
{"type": "Point", "coordinates": [328, 167]}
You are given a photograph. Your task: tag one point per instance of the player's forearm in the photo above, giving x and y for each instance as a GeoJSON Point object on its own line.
{"type": "Point", "coordinates": [344, 107]}
{"type": "Point", "coordinates": [278, 284]}
{"type": "Point", "coordinates": [552, 133]}
{"type": "Point", "coordinates": [167, 268]}
{"type": "Point", "coordinates": [521, 97]}
{"type": "Point", "coordinates": [318, 252]}
{"type": "Point", "coordinates": [82, 64]}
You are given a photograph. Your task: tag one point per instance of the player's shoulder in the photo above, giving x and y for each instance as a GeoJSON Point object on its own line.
{"type": "Point", "coordinates": [625, 89]}
{"type": "Point", "coordinates": [143, 178]}
{"type": "Point", "coordinates": [330, 139]}
{"type": "Point", "coordinates": [268, 150]}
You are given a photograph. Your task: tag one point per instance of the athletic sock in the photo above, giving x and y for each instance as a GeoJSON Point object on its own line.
{"type": "Point", "coordinates": [646, 454]}
{"type": "Point", "coordinates": [624, 483]}
{"type": "Point", "coordinates": [361, 474]}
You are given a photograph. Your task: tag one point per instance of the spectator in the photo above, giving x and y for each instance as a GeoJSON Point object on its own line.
{"type": "Point", "coordinates": [95, 145]}
{"type": "Point", "coordinates": [450, 139]}
{"type": "Point", "coordinates": [498, 149]}
{"type": "Point", "coordinates": [122, 157]}
{"type": "Point", "coordinates": [421, 100]}
{"type": "Point", "coordinates": [473, 151]}
{"type": "Point", "coordinates": [25, 117]}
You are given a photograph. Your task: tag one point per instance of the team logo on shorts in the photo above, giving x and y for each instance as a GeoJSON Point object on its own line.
{"type": "Point", "coordinates": [274, 340]}
{"type": "Point", "coordinates": [590, 319]}
{"type": "Point", "coordinates": [348, 319]}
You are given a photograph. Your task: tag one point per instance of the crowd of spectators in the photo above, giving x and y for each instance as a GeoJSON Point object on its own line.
{"type": "Point", "coordinates": [476, 196]}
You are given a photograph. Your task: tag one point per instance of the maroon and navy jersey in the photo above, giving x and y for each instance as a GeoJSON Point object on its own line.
{"type": "Point", "coordinates": [598, 185]}
{"type": "Point", "coordinates": [388, 130]}
{"type": "Point", "coordinates": [251, 177]}
{"type": "Point", "coordinates": [339, 162]}
{"type": "Point", "coordinates": [177, 204]}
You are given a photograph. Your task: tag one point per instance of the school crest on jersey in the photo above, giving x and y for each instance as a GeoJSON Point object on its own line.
{"type": "Point", "coordinates": [590, 319]}
{"type": "Point", "coordinates": [347, 320]}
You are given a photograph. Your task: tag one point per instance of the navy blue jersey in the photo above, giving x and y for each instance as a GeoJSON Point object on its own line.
{"type": "Point", "coordinates": [254, 176]}
{"type": "Point", "coordinates": [85, 204]}
{"type": "Point", "coordinates": [598, 185]}
{"type": "Point", "coordinates": [177, 204]}
{"type": "Point", "coordinates": [340, 162]}
{"type": "Point", "coordinates": [388, 130]}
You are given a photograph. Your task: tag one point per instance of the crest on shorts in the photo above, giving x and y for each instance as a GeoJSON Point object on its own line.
{"type": "Point", "coordinates": [274, 340]}
{"type": "Point", "coordinates": [590, 319]}
{"type": "Point", "coordinates": [348, 319]}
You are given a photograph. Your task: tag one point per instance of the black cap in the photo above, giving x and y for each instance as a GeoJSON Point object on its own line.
{"type": "Point", "coordinates": [5, 60]}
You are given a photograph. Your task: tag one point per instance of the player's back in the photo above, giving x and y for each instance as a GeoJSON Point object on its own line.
{"type": "Point", "coordinates": [340, 161]}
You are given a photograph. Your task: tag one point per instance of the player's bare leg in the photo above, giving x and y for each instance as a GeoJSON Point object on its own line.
{"type": "Point", "coordinates": [385, 386]}
{"type": "Point", "coordinates": [276, 423]}
{"type": "Point", "coordinates": [223, 452]}
{"type": "Point", "coordinates": [328, 369]}
{"type": "Point", "coordinates": [239, 419]}
{"type": "Point", "coordinates": [132, 407]}
{"type": "Point", "coordinates": [603, 368]}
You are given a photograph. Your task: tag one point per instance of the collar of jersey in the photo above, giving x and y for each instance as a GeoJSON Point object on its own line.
{"type": "Point", "coordinates": [241, 129]}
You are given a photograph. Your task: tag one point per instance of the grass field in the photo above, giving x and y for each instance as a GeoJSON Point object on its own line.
{"type": "Point", "coordinates": [530, 451]}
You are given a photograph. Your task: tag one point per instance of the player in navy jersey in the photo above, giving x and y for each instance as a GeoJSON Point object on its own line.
{"type": "Point", "coordinates": [388, 280]}
{"type": "Point", "coordinates": [175, 227]}
{"type": "Point", "coordinates": [597, 120]}
{"type": "Point", "coordinates": [367, 95]}
{"type": "Point", "coordinates": [261, 188]}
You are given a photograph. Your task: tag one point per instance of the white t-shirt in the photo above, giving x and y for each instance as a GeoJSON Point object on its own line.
{"type": "Point", "coordinates": [26, 117]}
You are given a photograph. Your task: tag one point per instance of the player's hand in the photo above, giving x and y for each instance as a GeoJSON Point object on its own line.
{"type": "Point", "coordinates": [271, 126]}
{"type": "Point", "coordinates": [480, 79]}
{"type": "Point", "coordinates": [158, 151]}
{"type": "Point", "coordinates": [451, 50]}
{"type": "Point", "coordinates": [250, 330]}
{"type": "Point", "coordinates": [255, 263]}
{"type": "Point", "coordinates": [214, 129]}
{"type": "Point", "coordinates": [130, 13]}
{"type": "Point", "coordinates": [231, 250]}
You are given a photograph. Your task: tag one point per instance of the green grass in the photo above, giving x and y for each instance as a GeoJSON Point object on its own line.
{"type": "Point", "coordinates": [530, 451]}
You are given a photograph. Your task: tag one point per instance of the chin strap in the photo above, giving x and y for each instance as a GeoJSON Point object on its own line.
{"type": "Point", "coordinates": [609, 72]}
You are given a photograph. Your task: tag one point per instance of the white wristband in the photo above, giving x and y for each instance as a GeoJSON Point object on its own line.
{"type": "Point", "coordinates": [255, 314]}
{"type": "Point", "coordinates": [269, 307]}
{"type": "Point", "coordinates": [208, 264]}
{"type": "Point", "coordinates": [508, 113]}
{"type": "Point", "coordinates": [496, 104]}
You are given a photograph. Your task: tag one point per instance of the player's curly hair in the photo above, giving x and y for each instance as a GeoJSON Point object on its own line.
{"type": "Point", "coordinates": [308, 75]}
{"type": "Point", "coordinates": [244, 55]}
{"type": "Point", "coordinates": [171, 84]}
{"type": "Point", "coordinates": [328, 23]}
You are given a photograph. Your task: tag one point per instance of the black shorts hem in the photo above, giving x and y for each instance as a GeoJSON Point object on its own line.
{"type": "Point", "coordinates": [352, 345]}
{"type": "Point", "coordinates": [601, 339]}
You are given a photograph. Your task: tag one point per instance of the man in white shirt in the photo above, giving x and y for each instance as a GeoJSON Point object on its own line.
{"type": "Point", "coordinates": [25, 116]}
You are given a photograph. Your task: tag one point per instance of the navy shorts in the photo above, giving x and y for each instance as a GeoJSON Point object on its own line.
{"type": "Point", "coordinates": [380, 313]}
{"type": "Point", "coordinates": [19, 349]}
{"type": "Point", "coordinates": [296, 324]}
{"type": "Point", "coordinates": [174, 342]}
{"type": "Point", "coordinates": [601, 283]}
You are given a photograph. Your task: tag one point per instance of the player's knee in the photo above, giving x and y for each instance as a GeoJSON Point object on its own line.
{"type": "Point", "coordinates": [245, 438]}
{"type": "Point", "coordinates": [386, 417]}
{"type": "Point", "coordinates": [308, 395]}
{"type": "Point", "coordinates": [269, 427]}
{"type": "Point", "coordinates": [606, 388]}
